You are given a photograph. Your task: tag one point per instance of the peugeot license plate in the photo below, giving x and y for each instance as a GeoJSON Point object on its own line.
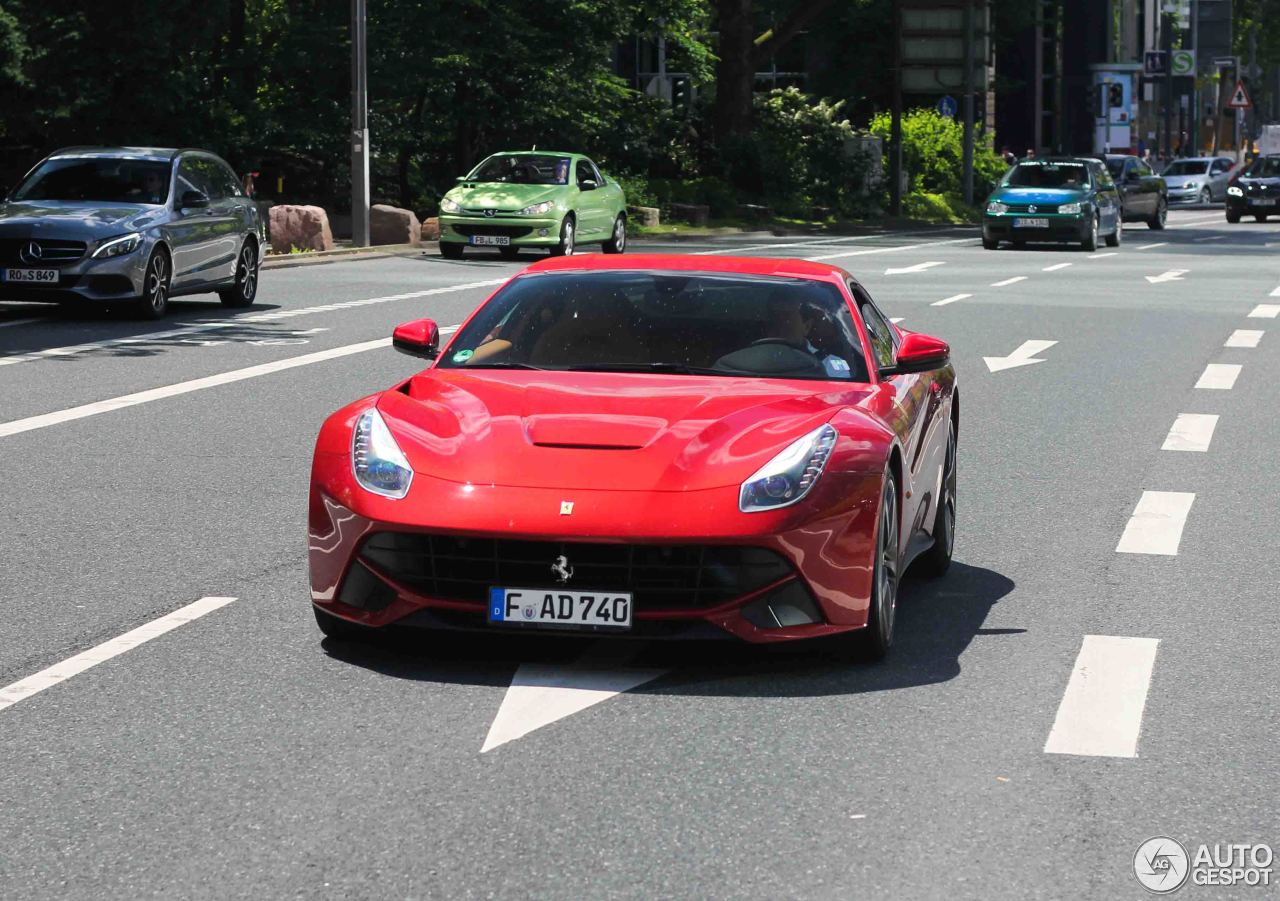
{"type": "Point", "coordinates": [31, 276]}
{"type": "Point", "coordinates": [557, 608]}
{"type": "Point", "coordinates": [490, 240]}
{"type": "Point", "coordinates": [1030, 223]}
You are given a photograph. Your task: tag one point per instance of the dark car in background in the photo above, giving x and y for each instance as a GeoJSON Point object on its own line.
{"type": "Point", "coordinates": [1256, 190]}
{"type": "Point", "coordinates": [1143, 194]}
{"type": "Point", "coordinates": [1056, 199]}
{"type": "Point", "coordinates": [130, 226]}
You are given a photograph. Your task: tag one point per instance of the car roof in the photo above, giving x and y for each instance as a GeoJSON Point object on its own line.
{"type": "Point", "coordinates": [667, 262]}
{"type": "Point", "coordinates": [157, 154]}
{"type": "Point", "coordinates": [1062, 159]}
{"type": "Point", "coordinates": [534, 153]}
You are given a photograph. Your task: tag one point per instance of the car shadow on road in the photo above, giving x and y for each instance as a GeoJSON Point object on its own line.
{"type": "Point", "coordinates": [937, 620]}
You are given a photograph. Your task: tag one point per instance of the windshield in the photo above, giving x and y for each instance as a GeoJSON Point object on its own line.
{"type": "Point", "coordinates": [102, 179]}
{"type": "Point", "coordinates": [670, 322]}
{"type": "Point", "coordinates": [523, 169]}
{"type": "Point", "coordinates": [1264, 167]}
{"type": "Point", "coordinates": [1046, 174]}
{"type": "Point", "coordinates": [1188, 167]}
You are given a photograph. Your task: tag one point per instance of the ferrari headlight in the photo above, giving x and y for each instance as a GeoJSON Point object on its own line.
{"type": "Point", "coordinates": [118, 247]}
{"type": "Point", "coordinates": [538, 208]}
{"type": "Point", "coordinates": [379, 464]}
{"type": "Point", "coordinates": [788, 477]}
{"type": "Point", "coordinates": [997, 207]}
{"type": "Point", "coordinates": [1235, 191]}
{"type": "Point", "coordinates": [1069, 208]}
{"type": "Point", "coordinates": [449, 206]}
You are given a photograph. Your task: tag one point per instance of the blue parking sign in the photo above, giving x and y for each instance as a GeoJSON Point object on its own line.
{"type": "Point", "coordinates": [947, 107]}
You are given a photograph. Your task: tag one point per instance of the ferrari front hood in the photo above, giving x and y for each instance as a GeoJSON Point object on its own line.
{"type": "Point", "coordinates": [626, 432]}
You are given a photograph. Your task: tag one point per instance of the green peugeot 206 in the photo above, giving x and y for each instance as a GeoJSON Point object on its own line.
{"type": "Point", "coordinates": [1063, 199]}
{"type": "Point", "coordinates": [533, 199]}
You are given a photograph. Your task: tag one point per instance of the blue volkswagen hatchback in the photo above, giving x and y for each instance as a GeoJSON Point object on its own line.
{"type": "Point", "coordinates": [1057, 199]}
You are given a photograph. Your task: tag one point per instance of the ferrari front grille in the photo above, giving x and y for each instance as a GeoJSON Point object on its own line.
{"type": "Point", "coordinates": [660, 576]}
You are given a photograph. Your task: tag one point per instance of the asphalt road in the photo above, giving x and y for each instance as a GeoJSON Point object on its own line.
{"type": "Point", "coordinates": [1010, 747]}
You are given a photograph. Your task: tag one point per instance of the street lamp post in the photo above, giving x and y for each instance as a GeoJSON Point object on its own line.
{"type": "Point", "coordinates": [359, 128]}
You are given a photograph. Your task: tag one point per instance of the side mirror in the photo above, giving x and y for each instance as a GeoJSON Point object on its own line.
{"type": "Point", "coordinates": [193, 200]}
{"type": "Point", "coordinates": [420, 338]}
{"type": "Point", "coordinates": [588, 184]}
{"type": "Point", "coordinates": [460, 179]}
{"type": "Point", "coordinates": [919, 353]}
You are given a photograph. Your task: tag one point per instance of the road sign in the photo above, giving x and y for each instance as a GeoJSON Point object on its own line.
{"type": "Point", "coordinates": [947, 106]}
{"type": "Point", "coordinates": [1240, 97]}
{"type": "Point", "coordinates": [1153, 62]}
{"type": "Point", "coordinates": [1184, 62]}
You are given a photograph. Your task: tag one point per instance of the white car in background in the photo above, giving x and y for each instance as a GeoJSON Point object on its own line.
{"type": "Point", "coordinates": [1201, 179]}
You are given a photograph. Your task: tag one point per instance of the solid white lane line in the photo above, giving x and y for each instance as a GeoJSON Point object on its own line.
{"type": "Point", "coordinates": [1208, 238]}
{"type": "Point", "coordinates": [952, 299]}
{"type": "Point", "coordinates": [72, 666]}
{"type": "Point", "coordinates": [1219, 376]}
{"type": "Point", "coordinates": [1055, 267]}
{"type": "Point", "coordinates": [1245, 337]}
{"type": "Point", "coordinates": [1157, 523]}
{"type": "Point", "coordinates": [816, 242]}
{"type": "Point", "coordinates": [20, 322]}
{"type": "Point", "coordinates": [1101, 256]}
{"type": "Point", "coordinates": [1196, 222]}
{"type": "Point", "coordinates": [1101, 710]}
{"type": "Point", "coordinates": [1152, 246]}
{"type": "Point", "coordinates": [1275, 292]}
{"type": "Point", "coordinates": [899, 248]}
{"type": "Point", "coordinates": [1009, 281]}
{"type": "Point", "coordinates": [1265, 311]}
{"type": "Point", "coordinates": [272, 316]}
{"type": "Point", "coordinates": [1191, 432]}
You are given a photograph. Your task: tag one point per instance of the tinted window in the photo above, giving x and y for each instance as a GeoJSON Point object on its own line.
{"type": "Point", "coordinates": [1143, 168]}
{"type": "Point", "coordinates": [586, 170]}
{"type": "Point", "coordinates": [103, 179]}
{"type": "Point", "coordinates": [1220, 166]}
{"type": "Point", "coordinates": [1048, 174]}
{"type": "Point", "coordinates": [193, 175]}
{"type": "Point", "coordinates": [1188, 167]}
{"type": "Point", "coordinates": [1264, 167]}
{"type": "Point", "coordinates": [523, 169]}
{"type": "Point", "coordinates": [697, 323]}
{"type": "Point", "coordinates": [230, 184]}
{"type": "Point", "coordinates": [879, 332]}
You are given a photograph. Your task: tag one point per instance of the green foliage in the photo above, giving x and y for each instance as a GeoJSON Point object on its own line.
{"type": "Point", "coordinates": [933, 152]}
{"type": "Point", "coordinates": [937, 208]}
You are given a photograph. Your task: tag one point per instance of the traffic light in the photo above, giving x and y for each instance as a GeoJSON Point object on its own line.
{"type": "Point", "coordinates": [1092, 101]}
{"type": "Point", "coordinates": [1115, 95]}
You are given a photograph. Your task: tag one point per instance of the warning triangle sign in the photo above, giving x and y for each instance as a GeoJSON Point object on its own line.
{"type": "Point", "coordinates": [1240, 98]}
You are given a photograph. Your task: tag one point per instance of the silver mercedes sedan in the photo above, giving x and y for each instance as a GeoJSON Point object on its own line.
{"type": "Point", "coordinates": [130, 226]}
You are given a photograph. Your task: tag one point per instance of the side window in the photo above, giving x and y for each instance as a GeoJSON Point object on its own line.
{"type": "Point", "coordinates": [231, 184]}
{"type": "Point", "coordinates": [879, 331]}
{"type": "Point", "coordinates": [1129, 169]}
{"type": "Point", "coordinates": [586, 171]}
{"type": "Point", "coordinates": [192, 176]}
{"type": "Point", "coordinates": [1143, 168]}
{"type": "Point", "coordinates": [1220, 166]}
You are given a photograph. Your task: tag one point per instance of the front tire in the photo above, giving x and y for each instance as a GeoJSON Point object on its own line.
{"type": "Point", "coordinates": [1233, 218]}
{"type": "Point", "coordinates": [1090, 242]}
{"type": "Point", "coordinates": [1161, 216]}
{"type": "Point", "coordinates": [1206, 197]}
{"type": "Point", "coordinates": [989, 243]}
{"type": "Point", "coordinates": [245, 289]}
{"type": "Point", "coordinates": [154, 302]}
{"type": "Point", "coordinates": [451, 251]}
{"type": "Point", "coordinates": [1113, 239]}
{"type": "Point", "coordinates": [618, 242]}
{"type": "Point", "coordinates": [1260, 217]}
{"type": "Point", "coordinates": [568, 239]}
{"type": "Point", "coordinates": [937, 560]}
{"type": "Point", "coordinates": [876, 639]}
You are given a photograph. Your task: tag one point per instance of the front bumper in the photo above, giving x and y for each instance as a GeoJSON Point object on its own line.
{"type": "Point", "coordinates": [1250, 204]}
{"type": "Point", "coordinates": [86, 279]}
{"type": "Point", "coordinates": [1062, 227]}
{"type": "Point", "coordinates": [523, 231]}
{"type": "Point", "coordinates": [1185, 195]}
{"type": "Point", "coordinates": [366, 564]}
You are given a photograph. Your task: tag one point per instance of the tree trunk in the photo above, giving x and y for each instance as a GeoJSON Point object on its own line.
{"type": "Point", "coordinates": [735, 73]}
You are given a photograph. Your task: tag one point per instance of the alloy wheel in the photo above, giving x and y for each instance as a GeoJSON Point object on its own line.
{"type": "Point", "coordinates": [567, 237]}
{"type": "Point", "coordinates": [620, 235]}
{"type": "Point", "coordinates": [158, 283]}
{"type": "Point", "coordinates": [1206, 197]}
{"type": "Point", "coordinates": [887, 549]}
{"type": "Point", "coordinates": [247, 273]}
{"type": "Point", "coordinates": [949, 493]}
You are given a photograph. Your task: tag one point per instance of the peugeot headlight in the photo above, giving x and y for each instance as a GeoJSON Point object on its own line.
{"type": "Point", "coordinates": [379, 464]}
{"type": "Point", "coordinates": [1069, 208]}
{"type": "Point", "coordinates": [788, 477]}
{"type": "Point", "coordinates": [118, 247]}
{"type": "Point", "coordinates": [538, 208]}
{"type": "Point", "coordinates": [1235, 191]}
{"type": "Point", "coordinates": [450, 206]}
{"type": "Point", "coordinates": [997, 207]}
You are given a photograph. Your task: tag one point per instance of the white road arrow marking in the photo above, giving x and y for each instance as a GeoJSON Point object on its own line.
{"type": "Point", "coordinates": [1173, 275]}
{"type": "Point", "coordinates": [1023, 356]}
{"type": "Point", "coordinates": [918, 267]}
{"type": "Point", "coordinates": [541, 693]}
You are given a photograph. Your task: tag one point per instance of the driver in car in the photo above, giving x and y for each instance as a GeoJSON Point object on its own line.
{"type": "Point", "coordinates": [806, 327]}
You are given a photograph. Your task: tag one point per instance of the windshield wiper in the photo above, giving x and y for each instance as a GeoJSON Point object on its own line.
{"type": "Point", "coordinates": [677, 368]}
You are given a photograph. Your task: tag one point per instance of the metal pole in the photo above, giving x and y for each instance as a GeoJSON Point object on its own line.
{"type": "Point", "coordinates": [359, 127]}
{"type": "Point", "coordinates": [1196, 111]}
{"type": "Point", "coordinates": [1105, 103]}
{"type": "Point", "coordinates": [969, 16]}
{"type": "Point", "coordinates": [1254, 84]}
{"type": "Point", "coordinates": [1166, 24]}
{"type": "Point", "coordinates": [895, 129]}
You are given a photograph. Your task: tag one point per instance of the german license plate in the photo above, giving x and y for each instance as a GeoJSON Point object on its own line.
{"type": "Point", "coordinates": [31, 276]}
{"type": "Point", "coordinates": [557, 608]}
{"type": "Point", "coordinates": [1267, 201]}
{"type": "Point", "coordinates": [490, 240]}
{"type": "Point", "coordinates": [1030, 223]}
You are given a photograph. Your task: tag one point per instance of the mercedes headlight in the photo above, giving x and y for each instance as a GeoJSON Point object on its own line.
{"type": "Point", "coordinates": [538, 208]}
{"type": "Point", "coordinates": [118, 247]}
{"type": "Point", "coordinates": [1235, 191]}
{"type": "Point", "coordinates": [1069, 208]}
{"type": "Point", "coordinates": [379, 464]}
{"type": "Point", "coordinates": [449, 206]}
{"type": "Point", "coordinates": [788, 477]}
{"type": "Point", "coordinates": [997, 207]}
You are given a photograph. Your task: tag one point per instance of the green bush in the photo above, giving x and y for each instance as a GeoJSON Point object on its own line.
{"type": "Point", "coordinates": [927, 207]}
{"type": "Point", "coordinates": [933, 152]}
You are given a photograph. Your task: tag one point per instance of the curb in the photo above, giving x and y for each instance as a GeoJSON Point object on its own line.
{"type": "Point", "coordinates": [317, 257]}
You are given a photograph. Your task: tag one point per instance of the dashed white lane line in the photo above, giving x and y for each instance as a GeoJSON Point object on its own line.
{"type": "Point", "coordinates": [1208, 238]}
{"type": "Point", "coordinates": [19, 322]}
{"type": "Point", "coordinates": [1102, 256]}
{"type": "Point", "coordinates": [1055, 267]}
{"type": "Point", "coordinates": [1219, 376]}
{"type": "Point", "coordinates": [952, 299]}
{"type": "Point", "coordinates": [1101, 710]}
{"type": "Point", "coordinates": [1191, 432]}
{"type": "Point", "coordinates": [1152, 246]}
{"type": "Point", "coordinates": [1195, 223]}
{"type": "Point", "coordinates": [1244, 337]}
{"type": "Point", "coordinates": [1275, 292]}
{"type": "Point", "coordinates": [73, 666]}
{"type": "Point", "coordinates": [1265, 311]}
{"type": "Point", "coordinates": [819, 242]}
{"type": "Point", "coordinates": [1009, 281]}
{"type": "Point", "coordinates": [917, 267]}
{"type": "Point", "coordinates": [271, 316]}
{"type": "Point", "coordinates": [1157, 523]}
